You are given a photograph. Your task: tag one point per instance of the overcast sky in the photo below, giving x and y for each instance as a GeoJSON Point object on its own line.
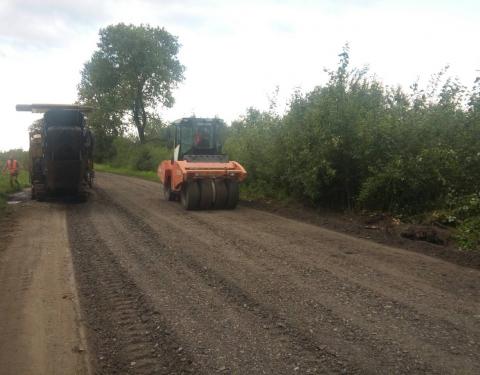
{"type": "Point", "coordinates": [235, 52]}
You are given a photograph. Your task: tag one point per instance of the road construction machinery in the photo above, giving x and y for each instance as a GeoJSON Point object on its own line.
{"type": "Point", "coordinates": [198, 174]}
{"type": "Point", "coordinates": [61, 148]}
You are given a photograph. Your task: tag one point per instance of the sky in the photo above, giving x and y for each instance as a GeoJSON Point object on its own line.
{"type": "Point", "coordinates": [236, 53]}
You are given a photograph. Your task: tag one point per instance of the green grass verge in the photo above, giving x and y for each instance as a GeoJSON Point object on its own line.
{"type": "Point", "coordinates": [146, 175]}
{"type": "Point", "coordinates": [264, 193]}
{"type": "Point", "coordinates": [5, 188]}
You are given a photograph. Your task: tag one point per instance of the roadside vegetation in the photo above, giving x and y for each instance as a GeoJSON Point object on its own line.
{"type": "Point", "coordinates": [5, 188]}
{"type": "Point", "coordinates": [134, 69]}
{"type": "Point", "coordinates": [355, 143]}
{"type": "Point", "coordinates": [350, 144]}
{"type": "Point", "coordinates": [146, 175]}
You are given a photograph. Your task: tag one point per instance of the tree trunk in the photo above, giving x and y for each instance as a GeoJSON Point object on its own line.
{"type": "Point", "coordinates": [144, 117]}
{"type": "Point", "coordinates": [139, 124]}
{"type": "Point", "coordinates": [139, 114]}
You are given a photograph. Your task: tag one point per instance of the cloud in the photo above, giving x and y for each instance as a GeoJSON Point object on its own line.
{"type": "Point", "coordinates": [28, 24]}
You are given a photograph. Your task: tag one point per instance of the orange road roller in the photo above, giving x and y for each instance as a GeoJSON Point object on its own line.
{"type": "Point", "coordinates": [198, 174]}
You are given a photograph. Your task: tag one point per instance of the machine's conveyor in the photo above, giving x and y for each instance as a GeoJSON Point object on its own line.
{"type": "Point", "coordinates": [42, 108]}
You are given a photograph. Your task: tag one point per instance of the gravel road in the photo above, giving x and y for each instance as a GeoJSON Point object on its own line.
{"type": "Point", "coordinates": [165, 291]}
{"type": "Point", "coordinates": [41, 330]}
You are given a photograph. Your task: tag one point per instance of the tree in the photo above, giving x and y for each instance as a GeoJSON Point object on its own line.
{"type": "Point", "coordinates": [134, 69]}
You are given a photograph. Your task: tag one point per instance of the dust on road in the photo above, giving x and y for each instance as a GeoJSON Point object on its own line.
{"type": "Point", "coordinates": [246, 292]}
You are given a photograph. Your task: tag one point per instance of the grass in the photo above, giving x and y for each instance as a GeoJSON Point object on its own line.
{"type": "Point", "coordinates": [5, 188]}
{"type": "Point", "coordinates": [146, 175]}
{"type": "Point", "coordinates": [264, 193]}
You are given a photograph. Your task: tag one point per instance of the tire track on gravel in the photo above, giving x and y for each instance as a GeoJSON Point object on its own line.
{"type": "Point", "coordinates": [386, 318]}
{"type": "Point", "coordinates": [345, 332]}
{"type": "Point", "coordinates": [249, 292]}
{"type": "Point", "coordinates": [130, 335]}
{"type": "Point", "coordinates": [404, 317]}
{"type": "Point", "coordinates": [298, 347]}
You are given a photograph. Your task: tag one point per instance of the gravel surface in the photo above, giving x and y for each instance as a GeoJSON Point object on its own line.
{"type": "Point", "coordinates": [41, 330]}
{"type": "Point", "coordinates": [166, 291]}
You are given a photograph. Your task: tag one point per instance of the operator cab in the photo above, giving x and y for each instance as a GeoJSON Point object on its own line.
{"type": "Point", "coordinates": [196, 140]}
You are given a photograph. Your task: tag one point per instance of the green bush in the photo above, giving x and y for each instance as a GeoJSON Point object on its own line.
{"type": "Point", "coordinates": [354, 143]}
{"type": "Point", "coordinates": [133, 155]}
{"type": "Point", "coordinates": [6, 189]}
{"type": "Point", "coordinates": [412, 185]}
{"type": "Point", "coordinates": [465, 207]}
{"type": "Point", "coordinates": [468, 234]}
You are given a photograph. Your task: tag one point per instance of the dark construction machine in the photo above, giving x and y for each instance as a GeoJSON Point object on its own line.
{"type": "Point", "coordinates": [61, 148]}
{"type": "Point", "coordinates": [198, 173]}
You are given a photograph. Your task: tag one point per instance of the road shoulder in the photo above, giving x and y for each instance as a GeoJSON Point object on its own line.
{"type": "Point", "coordinates": [40, 328]}
{"type": "Point", "coordinates": [377, 228]}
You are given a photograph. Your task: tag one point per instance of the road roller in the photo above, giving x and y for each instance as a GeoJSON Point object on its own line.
{"type": "Point", "coordinates": [199, 175]}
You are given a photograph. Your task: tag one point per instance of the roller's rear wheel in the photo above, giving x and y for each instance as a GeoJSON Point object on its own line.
{"type": "Point", "coordinates": [221, 194]}
{"type": "Point", "coordinates": [206, 194]}
{"type": "Point", "coordinates": [168, 193]}
{"type": "Point", "coordinates": [233, 194]}
{"type": "Point", "coordinates": [190, 196]}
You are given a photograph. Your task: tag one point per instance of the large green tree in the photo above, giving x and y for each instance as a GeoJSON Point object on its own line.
{"type": "Point", "coordinates": [134, 70]}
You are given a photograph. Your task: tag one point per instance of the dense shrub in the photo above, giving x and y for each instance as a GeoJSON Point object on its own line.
{"type": "Point", "coordinates": [131, 154]}
{"type": "Point", "coordinates": [355, 143]}
{"type": "Point", "coordinates": [468, 235]}
{"type": "Point", "coordinates": [412, 184]}
{"type": "Point", "coordinates": [252, 140]}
